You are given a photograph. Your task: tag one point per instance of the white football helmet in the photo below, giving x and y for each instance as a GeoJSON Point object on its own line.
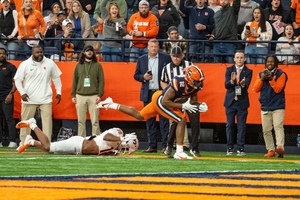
{"type": "Point", "coordinates": [129, 143]}
{"type": "Point", "coordinates": [115, 131]}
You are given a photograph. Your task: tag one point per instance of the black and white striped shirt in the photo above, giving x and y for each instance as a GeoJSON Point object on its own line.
{"type": "Point", "coordinates": [171, 70]}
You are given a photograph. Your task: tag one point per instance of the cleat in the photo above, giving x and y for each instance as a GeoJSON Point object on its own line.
{"type": "Point", "coordinates": [195, 153]}
{"type": "Point", "coordinates": [28, 141]}
{"type": "Point", "coordinates": [25, 123]}
{"type": "Point", "coordinates": [105, 104]}
{"type": "Point", "coordinates": [241, 152]}
{"type": "Point", "coordinates": [182, 156]}
{"type": "Point", "coordinates": [270, 154]}
{"type": "Point", "coordinates": [280, 151]}
{"type": "Point", "coordinates": [229, 152]}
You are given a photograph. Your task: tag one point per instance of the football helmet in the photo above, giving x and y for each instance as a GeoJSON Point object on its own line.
{"type": "Point", "coordinates": [129, 143]}
{"type": "Point", "coordinates": [115, 131]}
{"type": "Point", "coordinates": [194, 76]}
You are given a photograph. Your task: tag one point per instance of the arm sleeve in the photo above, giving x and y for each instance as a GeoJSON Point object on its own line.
{"type": "Point", "coordinates": [279, 84]}
{"type": "Point", "coordinates": [258, 84]}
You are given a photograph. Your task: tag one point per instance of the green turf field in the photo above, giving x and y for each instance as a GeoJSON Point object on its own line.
{"type": "Point", "coordinates": [33, 162]}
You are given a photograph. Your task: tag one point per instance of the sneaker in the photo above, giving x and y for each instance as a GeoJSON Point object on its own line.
{"type": "Point", "coordinates": [241, 152]}
{"type": "Point", "coordinates": [181, 156]}
{"type": "Point", "coordinates": [26, 123]}
{"type": "Point", "coordinates": [195, 153]}
{"type": "Point", "coordinates": [229, 152]}
{"type": "Point", "coordinates": [270, 154]}
{"type": "Point", "coordinates": [105, 104]}
{"type": "Point", "coordinates": [12, 145]}
{"type": "Point", "coordinates": [168, 151]}
{"type": "Point", "coordinates": [27, 143]}
{"type": "Point", "coordinates": [280, 151]}
{"type": "Point", "coordinates": [1, 145]}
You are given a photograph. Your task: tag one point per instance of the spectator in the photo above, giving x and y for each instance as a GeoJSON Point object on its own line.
{"type": "Point", "coordinates": [148, 72]}
{"type": "Point", "coordinates": [277, 16]}
{"type": "Point", "coordinates": [271, 84]}
{"type": "Point", "coordinates": [295, 15]}
{"type": "Point", "coordinates": [262, 3]}
{"type": "Point", "coordinates": [292, 46]}
{"type": "Point", "coordinates": [32, 81]}
{"type": "Point", "coordinates": [68, 6]}
{"type": "Point", "coordinates": [164, 103]}
{"type": "Point", "coordinates": [51, 19]}
{"type": "Point", "coordinates": [81, 21]}
{"type": "Point", "coordinates": [114, 27]}
{"type": "Point", "coordinates": [167, 16]}
{"type": "Point", "coordinates": [225, 29]}
{"type": "Point", "coordinates": [142, 26]}
{"type": "Point", "coordinates": [87, 89]}
{"type": "Point", "coordinates": [257, 30]}
{"type": "Point", "coordinates": [56, 29]}
{"type": "Point", "coordinates": [70, 48]}
{"type": "Point", "coordinates": [47, 6]}
{"type": "Point", "coordinates": [110, 142]}
{"type": "Point", "coordinates": [31, 24]}
{"type": "Point", "coordinates": [176, 40]}
{"type": "Point", "coordinates": [201, 23]}
{"type": "Point", "coordinates": [172, 69]}
{"type": "Point", "coordinates": [132, 7]}
{"type": "Point", "coordinates": [245, 15]}
{"type": "Point", "coordinates": [8, 29]}
{"type": "Point", "coordinates": [7, 89]}
{"type": "Point", "coordinates": [89, 7]}
{"type": "Point", "coordinates": [237, 81]}
{"type": "Point", "coordinates": [99, 17]}
{"type": "Point", "coordinates": [212, 4]}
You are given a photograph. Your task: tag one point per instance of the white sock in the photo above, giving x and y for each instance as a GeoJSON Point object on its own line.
{"type": "Point", "coordinates": [114, 106]}
{"type": "Point", "coordinates": [179, 148]}
{"type": "Point", "coordinates": [32, 126]}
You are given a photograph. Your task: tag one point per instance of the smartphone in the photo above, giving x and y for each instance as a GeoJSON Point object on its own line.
{"type": "Point", "coordinates": [248, 27]}
{"type": "Point", "coordinates": [149, 72]}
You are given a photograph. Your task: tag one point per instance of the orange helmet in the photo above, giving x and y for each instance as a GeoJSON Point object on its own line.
{"type": "Point", "coordinates": [194, 76]}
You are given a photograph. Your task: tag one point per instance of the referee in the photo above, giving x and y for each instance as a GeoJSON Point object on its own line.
{"type": "Point", "coordinates": [175, 68]}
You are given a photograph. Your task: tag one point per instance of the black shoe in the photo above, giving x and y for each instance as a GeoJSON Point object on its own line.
{"type": "Point", "coordinates": [150, 150]}
{"type": "Point", "coordinates": [185, 148]}
{"type": "Point", "coordinates": [229, 152]}
{"type": "Point", "coordinates": [195, 153]}
{"type": "Point", "coordinates": [241, 152]}
{"type": "Point", "coordinates": [168, 151]}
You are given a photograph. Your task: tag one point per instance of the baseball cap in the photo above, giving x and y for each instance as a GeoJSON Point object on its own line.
{"type": "Point", "coordinates": [61, 13]}
{"type": "Point", "coordinates": [143, 3]}
{"type": "Point", "coordinates": [88, 47]}
{"type": "Point", "coordinates": [176, 51]}
{"type": "Point", "coordinates": [172, 28]}
{"type": "Point", "coordinates": [5, 0]}
{"type": "Point", "coordinates": [66, 22]}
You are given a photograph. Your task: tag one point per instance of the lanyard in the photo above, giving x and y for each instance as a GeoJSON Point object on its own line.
{"type": "Point", "coordinates": [87, 70]}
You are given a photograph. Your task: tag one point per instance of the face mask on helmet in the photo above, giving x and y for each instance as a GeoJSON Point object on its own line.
{"type": "Point", "coordinates": [129, 143]}
{"type": "Point", "coordinates": [194, 77]}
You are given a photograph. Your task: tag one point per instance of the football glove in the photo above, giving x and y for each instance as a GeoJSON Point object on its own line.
{"type": "Point", "coordinates": [189, 107]}
{"type": "Point", "coordinates": [203, 107]}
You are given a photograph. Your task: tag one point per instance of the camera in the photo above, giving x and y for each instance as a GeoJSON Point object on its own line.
{"type": "Point", "coordinates": [267, 72]}
{"type": "Point", "coordinates": [149, 72]}
{"type": "Point", "coordinates": [267, 75]}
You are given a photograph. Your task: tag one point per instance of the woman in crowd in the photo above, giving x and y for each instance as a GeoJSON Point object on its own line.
{"type": "Point", "coordinates": [52, 22]}
{"type": "Point", "coordinates": [81, 21]}
{"type": "Point", "coordinates": [255, 31]}
{"type": "Point", "coordinates": [114, 27]}
{"type": "Point", "coordinates": [278, 17]}
{"type": "Point", "coordinates": [8, 29]}
{"type": "Point", "coordinates": [167, 15]}
{"type": "Point", "coordinates": [31, 24]}
{"type": "Point", "coordinates": [289, 47]}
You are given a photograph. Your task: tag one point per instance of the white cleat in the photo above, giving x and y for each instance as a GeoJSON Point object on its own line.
{"type": "Point", "coordinates": [105, 104]}
{"type": "Point", "coordinates": [182, 156]}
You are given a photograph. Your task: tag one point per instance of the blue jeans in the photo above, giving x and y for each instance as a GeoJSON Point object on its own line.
{"type": "Point", "coordinates": [223, 48]}
{"type": "Point", "coordinates": [111, 54]}
{"type": "Point", "coordinates": [198, 51]}
{"type": "Point", "coordinates": [256, 55]}
{"type": "Point", "coordinates": [137, 52]}
{"type": "Point", "coordinates": [11, 48]}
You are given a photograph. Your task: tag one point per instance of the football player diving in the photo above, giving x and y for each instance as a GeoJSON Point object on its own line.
{"type": "Point", "coordinates": [166, 103]}
{"type": "Point", "coordinates": [110, 142]}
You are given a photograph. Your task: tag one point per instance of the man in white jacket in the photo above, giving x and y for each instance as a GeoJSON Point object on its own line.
{"type": "Point", "coordinates": [33, 81]}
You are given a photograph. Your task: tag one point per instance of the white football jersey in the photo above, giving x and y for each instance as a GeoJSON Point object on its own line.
{"type": "Point", "coordinates": [108, 146]}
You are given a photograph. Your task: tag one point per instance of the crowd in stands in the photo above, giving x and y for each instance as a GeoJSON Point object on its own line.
{"type": "Point", "coordinates": [119, 29]}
